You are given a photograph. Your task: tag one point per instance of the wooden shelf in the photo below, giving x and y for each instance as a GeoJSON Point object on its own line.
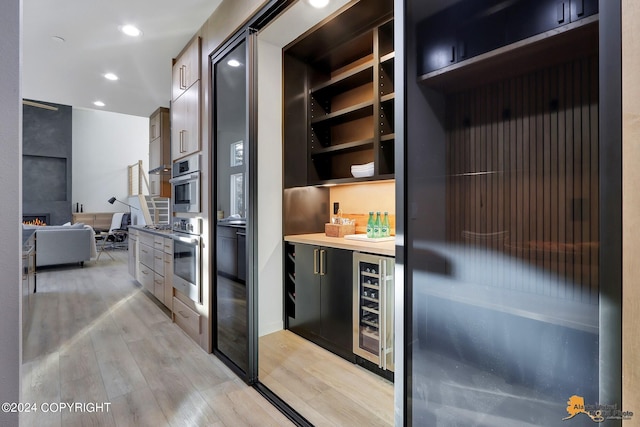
{"type": "Point", "coordinates": [356, 76]}
{"type": "Point", "coordinates": [388, 57]}
{"type": "Point", "coordinates": [354, 112]}
{"type": "Point", "coordinates": [388, 97]}
{"type": "Point", "coordinates": [370, 334]}
{"type": "Point", "coordinates": [348, 146]}
{"type": "Point", "coordinates": [369, 299]}
{"type": "Point", "coordinates": [370, 310]}
{"type": "Point", "coordinates": [340, 104]}
{"type": "Point", "coordinates": [352, 180]}
{"type": "Point", "coordinates": [388, 137]}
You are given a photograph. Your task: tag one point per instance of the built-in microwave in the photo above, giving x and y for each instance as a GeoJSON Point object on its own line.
{"type": "Point", "coordinates": [185, 185]}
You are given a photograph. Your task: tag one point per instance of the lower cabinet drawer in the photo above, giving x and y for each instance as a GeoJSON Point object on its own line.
{"type": "Point", "coordinates": [158, 261]}
{"type": "Point", "coordinates": [158, 287]}
{"type": "Point", "coordinates": [146, 255]}
{"type": "Point", "coordinates": [146, 239]}
{"type": "Point", "coordinates": [146, 278]}
{"type": "Point", "coordinates": [186, 318]}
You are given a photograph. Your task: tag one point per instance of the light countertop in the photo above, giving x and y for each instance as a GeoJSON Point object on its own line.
{"type": "Point", "coordinates": [387, 248]}
{"type": "Point", "coordinates": [141, 228]}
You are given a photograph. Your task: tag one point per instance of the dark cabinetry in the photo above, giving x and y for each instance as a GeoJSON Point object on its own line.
{"type": "Point", "coordinates": [339, 104]}
{"type": "Point", "coordinates": [471, 28]}
{"type": "Point", "coordinates": [319, 296]}
{"type": "Point", "coordinates": [231, 244]}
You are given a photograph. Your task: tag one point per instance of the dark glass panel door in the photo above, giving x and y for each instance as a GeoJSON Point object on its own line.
{"type": "Point", "coordinates": [230, 139]}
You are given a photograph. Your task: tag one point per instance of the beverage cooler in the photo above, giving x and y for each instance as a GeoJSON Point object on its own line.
{"type": "Point", "coordinates": [373, 309]}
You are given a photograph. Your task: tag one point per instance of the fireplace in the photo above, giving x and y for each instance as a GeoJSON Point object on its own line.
{"type": "Point", "coordinates": [35, 219]}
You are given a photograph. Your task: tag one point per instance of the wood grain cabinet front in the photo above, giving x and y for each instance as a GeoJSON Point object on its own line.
{"type": "Point", "coordinates": [159, 153]}
{"type": "Point", "coordinates": [185, 123]}
{"type": "Point", "coordinates": [133, 253]}
{"type": "Point", "coordinates": [99, 221]}
{"type": "Point", "coordinates": [186, 69]}
{"type": "Point", "coordinates": [185, 105]}
{"type": "Point", "coordinates": [155, 265]}
{"type": "Point", "coordinates": [187, 319]}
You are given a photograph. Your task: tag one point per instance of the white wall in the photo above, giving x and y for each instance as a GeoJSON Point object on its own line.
{"type": "Point", "coordinates": [270, 289]}
{"type": "Point", "coordinates": [104, 144]}
{"type": "Point", "coordinates": [11, 211]}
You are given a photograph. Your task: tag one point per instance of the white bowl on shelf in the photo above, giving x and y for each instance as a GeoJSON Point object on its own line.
{"type": "Point", "coordinates": [361, 174]}
{"type": "Point", "coordinates": [361, 171]}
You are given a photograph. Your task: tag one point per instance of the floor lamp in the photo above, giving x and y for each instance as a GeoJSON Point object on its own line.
{"type": "Point", "coordinates": [113, 199]}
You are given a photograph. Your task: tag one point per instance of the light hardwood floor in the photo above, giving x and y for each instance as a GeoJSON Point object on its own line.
{"type": "Point", "coordinates": [96, 337]}
{"type": "Point", "coordinates": [326, 389]}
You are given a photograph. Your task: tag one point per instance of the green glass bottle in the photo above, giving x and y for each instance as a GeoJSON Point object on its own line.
{"type": "Point", "coordinates": [377, 226]}
{"type": "Point", "coordinates": [370, 225]}
{"type": "Point", "coordinates": [386, 229]}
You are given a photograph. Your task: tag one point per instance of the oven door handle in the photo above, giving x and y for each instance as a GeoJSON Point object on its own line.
{"type": "Point", "coordinates": [184, 178]}
{"type": "Point", "coordinates": [189, 240]}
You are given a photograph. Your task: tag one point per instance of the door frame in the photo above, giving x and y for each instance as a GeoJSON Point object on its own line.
{"type": "Point", "coordinates": [247, 33]}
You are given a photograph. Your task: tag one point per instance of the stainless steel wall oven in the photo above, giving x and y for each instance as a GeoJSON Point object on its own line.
{"type": "Point", "coordinates": [186, 257]}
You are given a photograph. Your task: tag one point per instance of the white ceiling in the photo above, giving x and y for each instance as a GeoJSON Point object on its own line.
{"type": "Point", "coordinates": [72, 72]}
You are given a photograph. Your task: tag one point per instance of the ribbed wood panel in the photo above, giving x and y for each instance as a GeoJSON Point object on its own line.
{"type": "Point", "coordinates": [522, 158]}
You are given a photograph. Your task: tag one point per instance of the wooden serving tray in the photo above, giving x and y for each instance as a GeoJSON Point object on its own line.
{"type": "Point", "coordinates": [339, 230]}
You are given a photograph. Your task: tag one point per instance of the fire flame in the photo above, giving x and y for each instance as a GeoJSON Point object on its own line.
{"type": "Point", "coordinates": [36, 221]}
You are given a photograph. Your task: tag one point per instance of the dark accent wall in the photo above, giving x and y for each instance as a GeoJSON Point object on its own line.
{"type": "Point", "coordinates": [46, 161]}
{"type": "Point", "coordinates": [522, 160]}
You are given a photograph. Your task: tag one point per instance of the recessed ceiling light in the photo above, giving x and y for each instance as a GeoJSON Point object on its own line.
{"type": "Point", "coordinates": [98, 104]}
{"type": "Point", "coordinates": [110, 76]}
{"type": "Point", "coordinates": [318, 4]}
{"type": "Point", "coordinates": [58, 39]}
{"type": "Point", "coordinates": [233, 63]}
{"type": "Point", "coordinates": [130, 30]}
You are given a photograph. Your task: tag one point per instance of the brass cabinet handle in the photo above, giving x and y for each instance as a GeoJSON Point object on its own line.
{"type": "Point", "coordinates": [315, 261]}
{"type": "Point", "coordinates": [183, 77]}
{"type": "Point", "coordinates": [323, 254]}
{"type": "Point", "coordinates": [182, 149]}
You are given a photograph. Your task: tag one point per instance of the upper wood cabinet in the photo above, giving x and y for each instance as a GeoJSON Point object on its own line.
{"type": "Point", "coordinates": [159, 139]}
{"type": "Point", "coordinates": [185, 120]}
{"type": "Point", "coordinates": [159, 153]}
{"type": "Point", "coordinates": [339, 103]}
{"type": "Point", "coordinates": [186, 69]}
{"type": "Point", "coordinates": [185, 105]}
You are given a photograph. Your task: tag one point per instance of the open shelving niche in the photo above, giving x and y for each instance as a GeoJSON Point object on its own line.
{"type": "Point", "coordinates": [350, 109]}
{"type": "Point", "coordinates": [290, 280]}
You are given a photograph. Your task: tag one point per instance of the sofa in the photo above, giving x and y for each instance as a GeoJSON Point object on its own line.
{"type": "Point", "coordinates": [64, 244]}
